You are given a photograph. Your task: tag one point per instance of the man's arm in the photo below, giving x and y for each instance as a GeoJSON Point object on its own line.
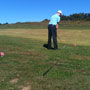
{"type": "Point", "coordinates": [58, 21]}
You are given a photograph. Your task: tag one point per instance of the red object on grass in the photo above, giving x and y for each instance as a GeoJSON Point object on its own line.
{"type": "Point", "coordinates": [2, 54]}
{"type": "Point", "coordinates": [74, 45]}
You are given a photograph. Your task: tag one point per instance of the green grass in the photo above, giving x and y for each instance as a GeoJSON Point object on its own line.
{"type": "Point", "coordinates": [80, 37]}
{"type": "Point", "coordinates": [26, 60]}
{"type": "Point", "coordinates": [44, 25]}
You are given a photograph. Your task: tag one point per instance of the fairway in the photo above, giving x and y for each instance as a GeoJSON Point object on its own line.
{"type": "Point", "coordinates": [26, 60]}
{"type": "Point", "coordinates": [79, 37]}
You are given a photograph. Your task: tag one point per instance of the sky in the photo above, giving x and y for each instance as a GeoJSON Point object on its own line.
{"type": "Point", "coordinates": [13, 11]}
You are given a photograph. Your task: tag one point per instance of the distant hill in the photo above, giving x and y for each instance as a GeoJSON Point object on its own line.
{"type": "Point", "coordinates": [34, 25]}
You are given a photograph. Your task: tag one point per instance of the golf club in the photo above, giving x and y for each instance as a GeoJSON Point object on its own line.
{"type": "Point", "coordinates": [60, 40]}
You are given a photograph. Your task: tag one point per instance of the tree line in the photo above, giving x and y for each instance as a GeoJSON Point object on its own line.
{"type": "Point", "coordinates": [76, 17]}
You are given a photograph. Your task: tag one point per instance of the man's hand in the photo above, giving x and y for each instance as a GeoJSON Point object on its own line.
{"type": "Point", "coordinates": [56, 26]}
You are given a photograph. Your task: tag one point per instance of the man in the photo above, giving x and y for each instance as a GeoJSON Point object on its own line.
{"type": "Point", "coordinates": [52, 29]}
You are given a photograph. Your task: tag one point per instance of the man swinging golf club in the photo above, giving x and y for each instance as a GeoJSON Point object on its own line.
{"type": "Point", "coordinates": [52, 29]}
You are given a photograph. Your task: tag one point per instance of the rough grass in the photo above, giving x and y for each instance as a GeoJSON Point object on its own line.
{"type": "Point", "coordinates": [26, 60]}
{"type": "Point", "coordinates": [81, 25]}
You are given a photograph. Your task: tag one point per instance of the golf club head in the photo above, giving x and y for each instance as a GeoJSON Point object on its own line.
{"type": "Point", "coordinates": [64, 46]}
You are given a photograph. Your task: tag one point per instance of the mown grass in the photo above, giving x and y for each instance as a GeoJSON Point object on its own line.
{"type": "Point", "coordinates": [26, 60]}
{"type": "Point", "coordinates": [80, 37]}
{"type": "Point", "coordinates": [44, 25]}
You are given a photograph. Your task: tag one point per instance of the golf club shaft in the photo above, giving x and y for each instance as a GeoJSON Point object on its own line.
{"type": "Point", "coordinates": [60, 40]}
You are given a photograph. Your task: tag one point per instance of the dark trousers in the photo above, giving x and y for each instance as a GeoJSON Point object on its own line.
{"type": "Point", "coordinates": [52, 32]}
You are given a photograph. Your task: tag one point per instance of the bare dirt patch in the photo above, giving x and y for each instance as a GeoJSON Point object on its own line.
{"type": "Point", "coordinates": [26, 88]}
{"type": "Point", "coordinates": [15, 80]}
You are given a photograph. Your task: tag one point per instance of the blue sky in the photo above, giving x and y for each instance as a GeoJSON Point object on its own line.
{"type": "Point", "coordinates": [13, 11]}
